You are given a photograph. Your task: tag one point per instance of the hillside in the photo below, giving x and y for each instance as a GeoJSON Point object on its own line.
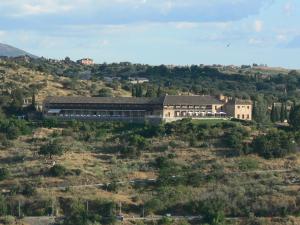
{"type": "Point", "coordinates": [183, 173]}
{"type": "Point", "coordinates": [10, 51]}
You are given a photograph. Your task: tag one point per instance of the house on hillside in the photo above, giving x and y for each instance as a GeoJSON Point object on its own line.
{"type": "Point", "coordinates": [86, 61]}
{"type": "Point", "coordinates": [138, 80]}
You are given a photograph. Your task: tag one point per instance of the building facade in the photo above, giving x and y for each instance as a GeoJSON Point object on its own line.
{"type": "Point", "coordinates": [239, 109]}
{"type": "Point", "coordinates": [167, 108]}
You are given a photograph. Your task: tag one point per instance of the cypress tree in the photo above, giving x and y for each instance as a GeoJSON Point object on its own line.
{"type": "Point", "coordinates": [277, 114]}
{"type": "Point", "coordinates": [139, 91]}
{"type": "Point", "coordinates": [133, 91]}
{"type": "Point", "coordinates": [260, 110]}
{"type": "Point", "coordinates": [283, 115]}
{"type": "Point", "coordinates": [159, 92]}
{"type": "Point", "coordinates": [273, 114]}
{"type": "Point", "coordinates": [292, 110]}
{"type": "Point", "coordinates": [285, 112]}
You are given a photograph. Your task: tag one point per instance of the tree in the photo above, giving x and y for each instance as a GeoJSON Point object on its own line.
{"type": "Point", "coordinates": [4, 174]}
{"type": "Point", "coordinates": [159, 92]}
{"type": "Point", "coordinates": [212, 209]}
{"type": "Point", "coordinates": [150, 92]}
{"type": "Point", "coordinates": [53, 147]}
{"type": "Point", "coordinates": [294, 118]}
{"type": "Point", "coordinates": [137, 90]}
{"type": "Point", "coordinates": [133, 91]}
{"type": "Point", "coordinates": [260, 110]}
{"type": "Point", "coordinates": [3, 206]}
{"type": "Point", "coordinates": [283, 112]}
{"type": "Point", "coordinates": [57, 171]}
{"type": "Point", "coordinates": [105, 92]}
{"type": "Point", "coordinates": [275, 115]}
{"type": "Point", "coordinates": [12, 132]}
{"type": "Point", "coordinates": [274, 144]}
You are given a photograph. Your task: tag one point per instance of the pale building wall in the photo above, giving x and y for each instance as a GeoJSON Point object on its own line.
{"type": "Point", "coordinates": [217, 108]}
{"type": "Point", "coordinates": [243, 112]}
{"type": "Point", "coordinates": [168, 112]}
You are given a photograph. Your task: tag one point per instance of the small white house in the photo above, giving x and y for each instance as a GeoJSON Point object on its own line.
{"type": "Point", "coordinates": [138, 80]}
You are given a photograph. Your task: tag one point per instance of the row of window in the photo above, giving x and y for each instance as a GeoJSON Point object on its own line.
{"type": "Point", "coordinates": [243, 106]}
{"type": "Point", "coordinates": [190, 107]}
{"type": "Point", "coordinates": [196, 114]}
{"type": "Point", "coordinates": [243, 116]}
{"type": "Point", "coordinates": [102, 113]}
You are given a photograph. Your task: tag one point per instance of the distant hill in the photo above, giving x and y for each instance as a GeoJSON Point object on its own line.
{"type": "Point", "coordinates": [10, 51]}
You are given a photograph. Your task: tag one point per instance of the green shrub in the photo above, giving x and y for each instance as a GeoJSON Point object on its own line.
{"type": "Point", "coordinates": [275, 144]}
{"type": "Point", "coordinates": [57, 171]}
{"type": "Point", "coordinates": [166, 221]}
{"type": "Point", "coordinates": [4, 173]}
{"type": "Point", "coordinates": [247, 164]}
{"type": "Point", "coordinates": [212, 209]}
{"type": "Point", "coordinates": [28, 190]}
{"type": "Point", "coordinates": [105, 92]}
{"type": "Point", "coordinates": [53, 147]}
{"type": "Point", "coordinates": [8, 220]}
{"type": "Point", "coordinates": [3, 206]}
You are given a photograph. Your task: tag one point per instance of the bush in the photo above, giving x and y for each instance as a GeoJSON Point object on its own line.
{"type": "Point", "coordinates": [57, 171]}
{"type": "Point", "coordinates": [212, 209]}
{"type": "Point", "coordinates": [28, 190]}
{"type": "Point", "coordinates": [275, 144]}
{"type": "Point", "coordinates": [4, 174]}
{"type": "Point", "coordinates": [234, 138]}
{"type": "Point", "coordinates": [105, 92]}
{"type": "Point", "coordinates": [166, 221]}
{"type": "Point", "coordinates": [52, 148]}
{"type": "Point", "coordinates": [4, 141]}
{"type": "Point", "coordinates": [247, 164]}
{"type": "Point", "coordinates": [3, 206]}
{"type": "Point", "coordinates": [130, 151]}
{"type": "Point", "coordinates": [100, 212]}
{"type": "Point", "coordinates": [8, 220]}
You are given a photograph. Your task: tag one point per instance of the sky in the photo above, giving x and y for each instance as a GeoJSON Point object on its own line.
{"type": "Point", "coordinates": [182, 32]}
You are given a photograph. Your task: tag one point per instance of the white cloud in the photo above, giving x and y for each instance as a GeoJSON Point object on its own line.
{"type": "Point", "coordinates": [186, 25]}
{"type": "Point", "coordinates": [288, 8]}
{"type": "Point", "coordinates": [281, 38]}
{"type": "Point", "coordinates": [255, 41]}
{"type": "Point", "coordinates": [104, 43]}
{"type": "Point", "coordinates": [2, 33]}
{"type": "Point", "coordinates": [36, 7]}
{"type": "Point", "coordinates": [258, 25]}
{"type": "Point", "coordinates": [117, 11]}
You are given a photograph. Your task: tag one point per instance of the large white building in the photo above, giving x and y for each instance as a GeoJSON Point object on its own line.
{"type": "Point", "coordinates": [168, 108]}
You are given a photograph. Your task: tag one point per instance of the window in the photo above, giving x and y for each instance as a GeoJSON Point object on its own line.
{"type": "Point", "coordinates": [248, 107]}
{"type": "Point", "coordinates": [243, 116]}
{"type": "Point", "coordinates": [239, 107]}
{"type": "Point", "coordinates": [238, 116]}
{"type": "Point", "coordinates": [248, 117]}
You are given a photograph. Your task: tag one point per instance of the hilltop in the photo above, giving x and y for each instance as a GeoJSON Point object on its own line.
{"type": "Point", "coordinates": [10, 51]}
